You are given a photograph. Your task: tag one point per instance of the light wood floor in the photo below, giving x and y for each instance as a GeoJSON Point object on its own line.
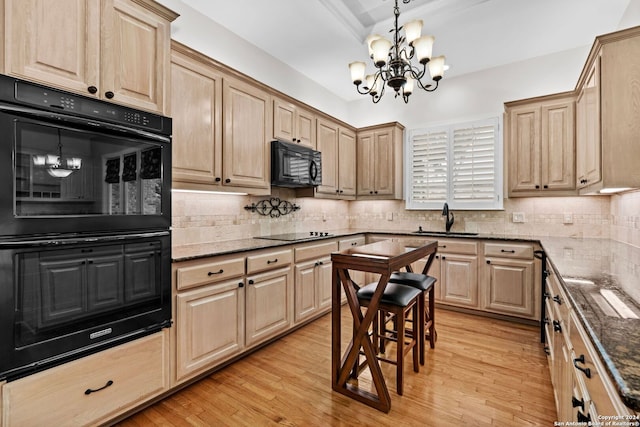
{"type": "Point", "coordinates": [483, 372]}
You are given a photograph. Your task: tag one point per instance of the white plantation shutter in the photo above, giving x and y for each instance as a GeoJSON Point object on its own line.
{"type": "Point", "coordinates": [458, 164]}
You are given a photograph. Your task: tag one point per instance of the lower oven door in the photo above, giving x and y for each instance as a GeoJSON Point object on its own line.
{"type": "Point", "coordinates": [73, 296]}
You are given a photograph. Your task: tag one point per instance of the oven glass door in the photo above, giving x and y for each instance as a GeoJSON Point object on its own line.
{"type": "Point", "coordinates": [62, 172]}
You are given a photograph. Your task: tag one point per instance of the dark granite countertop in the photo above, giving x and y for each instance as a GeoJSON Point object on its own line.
{"type": "Point", "coordinates": [585, 266]}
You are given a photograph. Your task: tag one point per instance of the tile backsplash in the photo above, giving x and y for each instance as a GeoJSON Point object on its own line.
{"type": "Point", "coordinates": [206, 217]}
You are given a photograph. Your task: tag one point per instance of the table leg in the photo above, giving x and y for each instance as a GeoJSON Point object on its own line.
{"type": "Point", "coordinates": [342, 370]}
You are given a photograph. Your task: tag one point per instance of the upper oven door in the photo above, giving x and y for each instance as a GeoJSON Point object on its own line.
{"type": "Point", "coordinates": [89, 178]}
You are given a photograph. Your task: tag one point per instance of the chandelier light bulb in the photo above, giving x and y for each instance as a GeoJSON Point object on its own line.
{"type": "Point", "coordinates": [407, 89]}
{"type": "Point", "coordinates": [381, 49]}
{"type": "Point", "coordinates": [370, 39]}
{"type": "Point", "coordinates": [412, 30]}
{"type": "Point", "coordinates": [423, 48]}
{"type": "Point", "coordinates": [436, 67]}
{"type": "Point", "coordinates": [357, 69]}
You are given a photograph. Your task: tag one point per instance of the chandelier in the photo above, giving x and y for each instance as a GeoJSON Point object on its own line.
{"type": "Point", "coordinates": [393, 62]}
{"type": "Point", "coordinates": [56, 165]}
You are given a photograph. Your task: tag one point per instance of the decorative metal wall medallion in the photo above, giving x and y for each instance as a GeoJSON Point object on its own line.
{"type": "Point", "coordinates": [273, 207]}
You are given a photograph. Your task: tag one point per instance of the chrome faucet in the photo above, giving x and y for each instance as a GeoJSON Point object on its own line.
{"type": "Point", "coordinates": [449, 220]}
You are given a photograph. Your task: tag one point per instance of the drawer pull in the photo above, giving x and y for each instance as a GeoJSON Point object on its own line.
{"type": "Point", "coordinates": [557, 299]}
{"type": "Point", "coordinates": [575, 402]}
{"type": "Point", "coordinates": [442, 246]}
{"type": "Point", "coordinates": [556, 326]}
{"type": "Point", "coordinates": [354, 244]}
{"type": "Point", "coordinates": [89, 390]}
{"type": "Point", "coordinates": [508, 252]}
{"type": "Point", "coordinates": [211, 273]}
{"type": "Point", "coordinates": [272, 262]}
{"type": "Point", "coordinates": [580, 359]}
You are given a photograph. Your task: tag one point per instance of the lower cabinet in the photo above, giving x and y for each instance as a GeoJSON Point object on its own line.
{"type": "Point", "coordinates": [456, 268]}
{"type": "Point", "coordinates": [90, 390]}
{"type": "Point", "coordinates": [209, 326]}
{"type": "Point", "coordinates": [312, 279]}
{"type": "Point", "coordinates": [509, 286]}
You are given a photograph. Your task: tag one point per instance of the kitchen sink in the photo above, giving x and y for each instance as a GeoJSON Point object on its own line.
{"type": "Point", "coordinates": [445, 233]}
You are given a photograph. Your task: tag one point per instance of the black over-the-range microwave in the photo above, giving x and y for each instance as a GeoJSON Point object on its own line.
{"type": "Point", "coordinates": [294, 165]}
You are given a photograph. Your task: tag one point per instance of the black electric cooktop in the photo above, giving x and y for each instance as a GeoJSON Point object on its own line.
{"type": "Point", "coordinates": [293, 237]}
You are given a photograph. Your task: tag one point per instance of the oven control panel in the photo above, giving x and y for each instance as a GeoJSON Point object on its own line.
{"type": "Point", "coordinates": [34, 95]}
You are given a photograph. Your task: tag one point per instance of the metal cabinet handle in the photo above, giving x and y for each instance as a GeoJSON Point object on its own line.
{"type": "Point", "coordinates": [251, 282]}
{"type": "Point", "coordinates": [547, 350]}
{"type": "Point", "coordinates": [582, 418]}
{"type": "Point", "coordinates": [271, 262]}
{"type": "Point", "coordinates": [580, 359]}
{"type": "Point", "coordinates": [109, 94]}
{"type": "Point", "coordinates": [557, 299]}
{"type": "Point", "coordinates": [556, 326]}
{"type": "Point", "coordinates": [218, 179]}
{"type": "Point", "coordinates": [227, 180]}
{"type": "Point", "coordinates": [92, 89]}
{"type": "Point", "coordinates": [241, 285]}
{"type": "Point", "coordinates": [575, 402]}
{"type": "Point", "coordinates": [90, 390]}
{"type": "Point", "coordinates": [508, 252]}
{"type": "Point", "coordinates": [488, 261]}
{"type": "Point", "coordinates": [211, 273]}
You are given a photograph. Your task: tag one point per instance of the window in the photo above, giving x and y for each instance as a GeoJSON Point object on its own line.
{"type": "Point", "coordinates": [460, 164]}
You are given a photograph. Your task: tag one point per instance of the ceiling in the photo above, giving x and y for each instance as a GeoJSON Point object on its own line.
{"type": "Point", "coordinates": [319, 38]}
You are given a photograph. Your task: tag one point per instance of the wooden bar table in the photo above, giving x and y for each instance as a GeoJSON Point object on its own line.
{"type": "Point", "coordinates": [384, 258]}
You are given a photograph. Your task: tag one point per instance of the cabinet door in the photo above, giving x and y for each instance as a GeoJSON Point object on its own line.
{"type": "Point", "coordinates": [328, 145]}
{"type": "Point", "coordinates": [306, 128]}
{"type": "Point", "coordinates": [508, 287]}
{"type": "Point", "coordinates": [268, 304]}
{"type": "Point", "coordinates": [105, 278]}
{"type": "Point", "coordinates": [246, 135]}
{"type": "Point", "coordinates": [306, 301]}
{"type": "Point", "coordinates": [346, 163]}
{"type": "Point", "coordinates": [56, 43]}
{"type": "Point", "coordinates": [557, 146]}
{"type": "Point", "coordinates": [383, 163]}
{"type": "Point", "coordinates": [459, 279]}
{"type": "Point", "coordinates": [588, 125]}
{"type": "Point", "coordinates": [365, 149]}
{"type": "Point", "coordinates": [209, 326]}
{"type": "Point", "coordinates": [196, 93]}
{"type": "Point", "coordinates": [135, 55]}
{"type": "Point", "coordinates": [524, 149]}
{"type": "Point", "coordinates": [284, 120]}
{"type": "Point", "coordinates": [324, 282]}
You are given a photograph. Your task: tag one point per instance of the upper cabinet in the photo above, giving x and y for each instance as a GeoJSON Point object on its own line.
{"type": "Point", "coordinates": [379, 160]}
{"type": "Point", "coordinates": [338, 147]}
{"type": "Point", "coordinates": [293, 123]}
{"type": "Point", "coordinates": [541, 146]}
{"type": "Point", "coordinates": [608, 111]}
{"type": "Point", "coordinates": [221, 127]}
{"type": "Point", "coordinates": [116, 50]}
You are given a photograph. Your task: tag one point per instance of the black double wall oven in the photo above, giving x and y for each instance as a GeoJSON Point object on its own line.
{"type": "Point", "coordinates": [85, 215]}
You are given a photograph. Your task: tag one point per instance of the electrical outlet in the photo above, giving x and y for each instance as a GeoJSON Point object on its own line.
{"type": "Point", "coordinates": [517, 217]}
{"type": "Point", "coordinates": [567, 218]}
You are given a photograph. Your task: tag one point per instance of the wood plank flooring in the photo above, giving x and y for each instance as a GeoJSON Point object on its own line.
{"type": "Point", "coordinates": [483, 372]}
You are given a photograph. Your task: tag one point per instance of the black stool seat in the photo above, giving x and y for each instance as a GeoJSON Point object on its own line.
{"type": "Point", "coordinates": [415, 280]}
{"type": "Point", "coordinates": [394, 293]}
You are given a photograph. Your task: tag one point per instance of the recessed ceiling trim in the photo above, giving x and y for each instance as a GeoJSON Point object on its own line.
{"type": "Point", "coordinates": [344, 15]}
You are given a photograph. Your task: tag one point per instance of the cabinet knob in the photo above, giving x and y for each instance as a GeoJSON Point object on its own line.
{"type": "Point", "coordinates": [371, 192]}
{"type": "Point", "coordinates": [251, 282]}
{"type": "Point", "coordinates": [337, 191]}
{"type": "Point", "coordinates": [577, 403]}
{"type": "Point", "coordinates": [537, 187]}
{"type": "Point", "coordinates": [218, 179]}
{"type": "Point", "coordinates": [341, 191]}
{"type": "Point", "coordinates": [241, 285]}
{"type": "Point", "coordinates": [92, 89]}
{"type": "Point", "coordinates": [586, 371]}
{"type": "Point", "coordinates": [375, 192]}
{"type": "Point", "coordinates": [556, 326]}
{"type": "Point", "coordinates": [488, 261]}
{"type": "Point", "coordinates": [557, 299]}
{"type": "Point", "coordinates": [227, 180]}
{"type": "Point", "coordinates": [545, 186]}
{"type": "Point", "coordinates": [109, 94]}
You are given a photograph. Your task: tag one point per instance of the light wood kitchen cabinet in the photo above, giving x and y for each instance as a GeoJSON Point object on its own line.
{"type": "Point", "coordinates": [91, 390]}
{"type": "Point", "coordinates": [93, 52]}
{"type": "Point", "coordinates": [209, 326]}
{"type": "Point", "coordinates": [268, 295]}
{"type": "Point", "coordinates": [338, 147]}
{"type": "Point", "coordinates": [509, 284]}
{"type": "Point", "coordinates": [313, 279]}
{"type": "Point", "coordinates": [358, 277]}
{"type": "Point", "coordinates": [541, 146]}
{"type": "Point", "coordinates": [379, 161]}
{"type": "Point", "coordinates": [608, 118]}
{"type": "Point", "coordinates": [293, 123]}
{"type": "Point", "coordinates": [588, 129]}
{"type": "Point", "coordinates": [247, 132]}
{"type": "Point", "coordinates": [196, 100]}
{"type": "Point", "coordinates": [456, 268]}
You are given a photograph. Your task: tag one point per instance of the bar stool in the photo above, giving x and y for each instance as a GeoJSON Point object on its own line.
{"type": "Point", "coordinates": [425, 284]}
{"type": "Point", "coordinates": [396, 302]}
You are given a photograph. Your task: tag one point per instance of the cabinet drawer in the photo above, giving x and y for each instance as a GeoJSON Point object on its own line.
{"type": "Point", "coordinates": [58, 396]}
{"type": "Point", "coordinates": [457, 246]}
{"type": "Point", "coordinates": [267, 261]}
{"type": "Point", "coordinates": [349, 243]}
{"type": "Point", "coordinates": [209, 272]}
{"type": "Point", "coordinates": [508, 250]}
{"type": "Point", "coordinates": [314, 251]}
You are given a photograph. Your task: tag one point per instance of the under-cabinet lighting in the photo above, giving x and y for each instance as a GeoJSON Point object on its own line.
{"type": "Point", "coordinates": [614, 190]}
{"type": "Point", "coordinates": [177, 190]}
